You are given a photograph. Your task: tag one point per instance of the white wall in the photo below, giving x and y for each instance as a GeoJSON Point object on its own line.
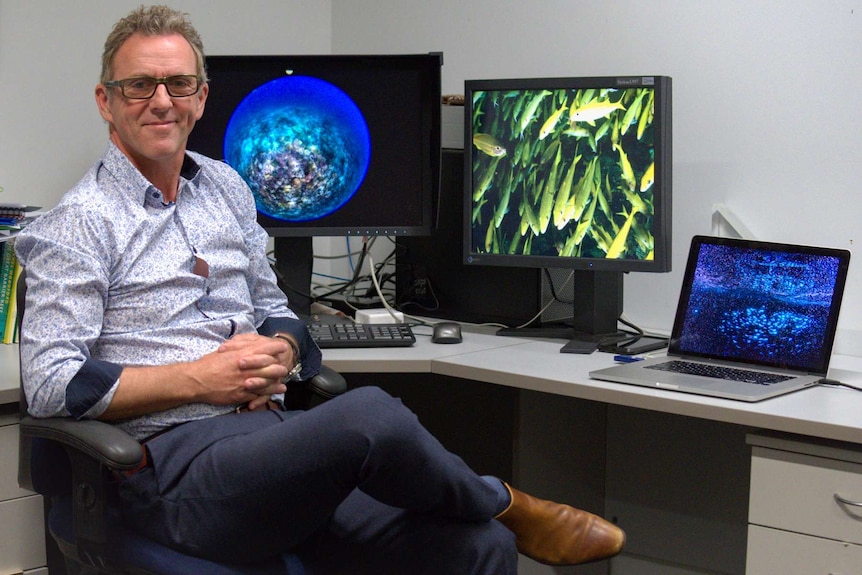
{"type": "Point", "coordinates": [50, 60]}
{"type": "Point", "coordinates": [767, 94]}
{"type": "Point", "coordinates": [767, 102]}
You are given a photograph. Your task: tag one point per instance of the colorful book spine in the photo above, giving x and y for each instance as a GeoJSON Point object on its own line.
{"type": "Point", "coordinates": [10, 334]}
{"type": "Point", "coordinates": [7, 271]}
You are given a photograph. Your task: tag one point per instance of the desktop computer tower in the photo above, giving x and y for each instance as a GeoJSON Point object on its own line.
{"type": "Point", "coordinates": [431, 281]}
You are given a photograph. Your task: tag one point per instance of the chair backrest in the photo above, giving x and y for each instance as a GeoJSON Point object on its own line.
{"type": "Point", "coordinates": [43, 466]}
{"type": "Point", "coordinates": [25, 444]}
{"type": "Point", "coordinates": [21, 290]}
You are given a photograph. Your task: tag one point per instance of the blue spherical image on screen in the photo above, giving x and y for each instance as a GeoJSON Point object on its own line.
{"type": "Point", "coordinates": [301, 144]}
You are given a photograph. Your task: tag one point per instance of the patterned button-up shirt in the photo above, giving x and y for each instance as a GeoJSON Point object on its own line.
{"type": "Point", "coordinates": [118, 277]}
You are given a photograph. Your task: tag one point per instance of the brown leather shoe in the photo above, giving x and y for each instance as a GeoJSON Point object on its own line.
{"type": "Point", "coordinates": [557, 534]}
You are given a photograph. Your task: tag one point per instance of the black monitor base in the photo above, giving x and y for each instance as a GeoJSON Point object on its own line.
{"type": "Point", "coordinates": [548, 331]}
{"type": "Point", "coordinates": [597, 306]}
{"type": "Point", "coordinates": [565, 332]}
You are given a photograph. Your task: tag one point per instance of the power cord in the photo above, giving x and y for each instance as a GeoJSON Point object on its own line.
{"type": "Point", "coordinates": [385, 303]}
{"type": "Point", "coordinates": [835, 383]}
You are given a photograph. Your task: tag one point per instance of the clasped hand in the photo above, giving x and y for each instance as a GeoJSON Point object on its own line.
{"type": "Point", "coordinates": [260, 363]}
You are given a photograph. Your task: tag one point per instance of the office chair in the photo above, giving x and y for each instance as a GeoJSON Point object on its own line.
{"type": "Point", "coordinates": [70, 463]}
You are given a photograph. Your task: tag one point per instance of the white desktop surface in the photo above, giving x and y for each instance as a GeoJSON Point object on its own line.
{"type": "Point", "coordinates": [830, 413]}
{"type": "Point", "coordinates": [538, 365]}
{"type": "Point", "coordinates": [9, 379]}
{"type": "Point", "coordinates": [418, 358]}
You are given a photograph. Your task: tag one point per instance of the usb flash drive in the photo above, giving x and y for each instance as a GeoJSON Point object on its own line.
{"type": "Point", "coordinates": [627, 358]}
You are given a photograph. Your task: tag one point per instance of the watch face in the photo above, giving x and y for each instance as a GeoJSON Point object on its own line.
{"type": "Point", "coordinates": [293, 374]}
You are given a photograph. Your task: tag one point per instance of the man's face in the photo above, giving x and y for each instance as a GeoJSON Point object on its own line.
{"type": "Point", "coordinates": [152, 132]}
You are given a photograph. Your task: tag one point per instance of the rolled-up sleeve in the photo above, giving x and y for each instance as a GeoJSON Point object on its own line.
{"type": "Point", "coordinates": [63, 317]}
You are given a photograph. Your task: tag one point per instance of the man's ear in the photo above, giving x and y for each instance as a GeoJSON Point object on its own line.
{"type": "Point", "coordinates": [202, 100]}
{"type": "Point", "coordinates": [102, 101]}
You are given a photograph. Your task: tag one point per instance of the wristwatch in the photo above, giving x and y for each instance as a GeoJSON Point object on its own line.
{"type": "Point", "coordinates": [293, 374]}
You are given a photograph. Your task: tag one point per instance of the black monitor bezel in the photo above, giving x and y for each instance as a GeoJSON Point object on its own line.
{"type": "Point", "coordinates": [323, 66]}
{"type": "Point", "coordinates": [663, 178]}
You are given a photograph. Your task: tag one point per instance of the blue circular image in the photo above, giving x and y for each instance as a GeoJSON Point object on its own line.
{"type": "Point", "coordinates": [301, 144]}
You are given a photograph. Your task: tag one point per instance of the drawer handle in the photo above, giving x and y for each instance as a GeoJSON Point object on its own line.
{"type": "Point", "coordinates": [840, 499]}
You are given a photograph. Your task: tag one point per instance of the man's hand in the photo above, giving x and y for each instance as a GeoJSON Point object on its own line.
{"type": "Point", "coordinates": [247, 369]}
{"type": "Point", "coordinates": [264, 360]}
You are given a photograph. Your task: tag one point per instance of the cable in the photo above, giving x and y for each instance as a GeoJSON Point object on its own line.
{"type": "Point", "coordinates": [362, 255]}
{"type": "Point", "coordinates": [553, 299]}
{"type": "Point", "coordinates": [554, 294]}
{"type": "Point", "coordinates": [385, 303]}
{"type": "Point", "coordinates": [636, 330]}
{"type": "Point", "coordinates": [835, 383]}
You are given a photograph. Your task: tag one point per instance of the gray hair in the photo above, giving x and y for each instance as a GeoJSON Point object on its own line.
{"type": "Point", "coordinates": [152, 21]}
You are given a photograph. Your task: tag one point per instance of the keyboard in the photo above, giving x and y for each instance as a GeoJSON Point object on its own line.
{"type": "Point", "coordinates": [346, 335]}
{"type": "Point", "coordinates": [720, 372]}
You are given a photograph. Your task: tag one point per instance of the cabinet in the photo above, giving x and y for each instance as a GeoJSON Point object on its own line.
{"type": "Point", "coordinates": [805, 507]}
{"type": "Point", "coordinates": [22, 532]}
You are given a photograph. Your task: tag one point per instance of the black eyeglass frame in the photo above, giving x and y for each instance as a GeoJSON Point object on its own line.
{"type": "Point", "coordinates": [121, 84]}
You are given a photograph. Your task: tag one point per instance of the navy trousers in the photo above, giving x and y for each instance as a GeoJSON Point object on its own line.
{"type": "Point", "coordinates": [356, 485]}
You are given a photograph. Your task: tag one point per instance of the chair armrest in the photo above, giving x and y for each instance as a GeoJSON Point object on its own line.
{"type": "Point", "coordinates": [117, 449]}
{"type": "Point", "coordinates": [107, 444]}
{"type": "Point", "coordinates": [328, 383]}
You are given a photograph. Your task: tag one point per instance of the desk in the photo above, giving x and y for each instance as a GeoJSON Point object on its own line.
{"type": "Point", "coordinates": [537, 365]}
{"type": "Point", "coordinates": [673, 468]}
{"type": "Point", "coordinates": [819, 412]}
{"type": "Point", "coordinates": [8, 374]}
{"type": "Point", "coordinates": [22, 531]}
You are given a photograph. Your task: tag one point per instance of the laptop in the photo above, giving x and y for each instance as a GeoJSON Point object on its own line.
{"type": "Point", "coordinates": [754, 320]}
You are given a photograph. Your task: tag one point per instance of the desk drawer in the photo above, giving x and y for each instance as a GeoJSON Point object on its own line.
{"type": "Point", "coordinates": [775, 552]}
{"type": "Point", "coordinates": [22, 535]}
{"type": "Point", "coordinates": [9, 464]}
{"type": "Point", "coordinates": [796, 492]}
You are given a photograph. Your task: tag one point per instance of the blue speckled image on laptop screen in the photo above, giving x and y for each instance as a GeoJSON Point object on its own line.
{"type": "Point", "coordinates": [763, 306]}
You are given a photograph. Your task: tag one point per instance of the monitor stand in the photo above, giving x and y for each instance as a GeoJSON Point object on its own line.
{"type": "Point", "coordinates": [598, 304]}
{"type": "Point", "coordinates": [294, 264]}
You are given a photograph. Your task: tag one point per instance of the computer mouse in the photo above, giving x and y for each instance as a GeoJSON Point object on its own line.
{"type": "Point", "coordinates": [446, 332]}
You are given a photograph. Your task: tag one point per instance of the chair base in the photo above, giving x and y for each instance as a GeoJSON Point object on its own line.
{"type": "Point", "coordinates": [128, 553]}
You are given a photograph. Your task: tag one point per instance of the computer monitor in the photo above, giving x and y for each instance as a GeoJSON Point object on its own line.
{"type": "Point", "coordinates": [570, 173]}
{"type": "Point", "coordinates": [330, 145]}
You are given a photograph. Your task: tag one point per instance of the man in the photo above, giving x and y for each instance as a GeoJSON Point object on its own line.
{"type": "Point", "coordinates": [151, 304]}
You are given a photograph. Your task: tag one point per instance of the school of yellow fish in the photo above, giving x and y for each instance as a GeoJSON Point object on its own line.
{"type": "Point", "coordinates": [563, 172]}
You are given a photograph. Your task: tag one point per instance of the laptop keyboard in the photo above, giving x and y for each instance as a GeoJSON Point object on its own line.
{"type": "Point", "coordinates": [347, 335]}
{"type": "Point", "coordinates": [720, 372]}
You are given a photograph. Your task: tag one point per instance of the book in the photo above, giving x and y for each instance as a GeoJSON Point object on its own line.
{"type": "Point", "coordinates": [10, 333]}
{"type": "Point", "coordinates": [7, 271]}
{"type": "Point", "coordinates": [16, 211]}
{"type": "Point", "coordinates": [14, 217]}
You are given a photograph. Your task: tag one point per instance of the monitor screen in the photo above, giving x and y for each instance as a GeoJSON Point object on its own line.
{"type": "Point", "coordinates": [569, 173]}
{"type": "Point", "coordinates": [329, 145]}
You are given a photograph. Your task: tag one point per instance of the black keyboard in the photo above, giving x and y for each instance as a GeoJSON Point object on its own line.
{"type": "Point", "coordinates": [341, 335]}
{"type": "Point", "coordinates": [720, 372]}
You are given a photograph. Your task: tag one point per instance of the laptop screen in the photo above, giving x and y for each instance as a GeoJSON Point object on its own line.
{"type": "Point", "coordinates": [761, 303]}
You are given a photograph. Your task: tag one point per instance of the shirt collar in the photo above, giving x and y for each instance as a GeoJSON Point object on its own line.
{"type": "Point", "coordinates": [122, 168]}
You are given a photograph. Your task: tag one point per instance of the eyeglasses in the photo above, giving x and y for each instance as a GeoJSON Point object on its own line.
{"type": "Point", "coordinates": [143, 87]}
